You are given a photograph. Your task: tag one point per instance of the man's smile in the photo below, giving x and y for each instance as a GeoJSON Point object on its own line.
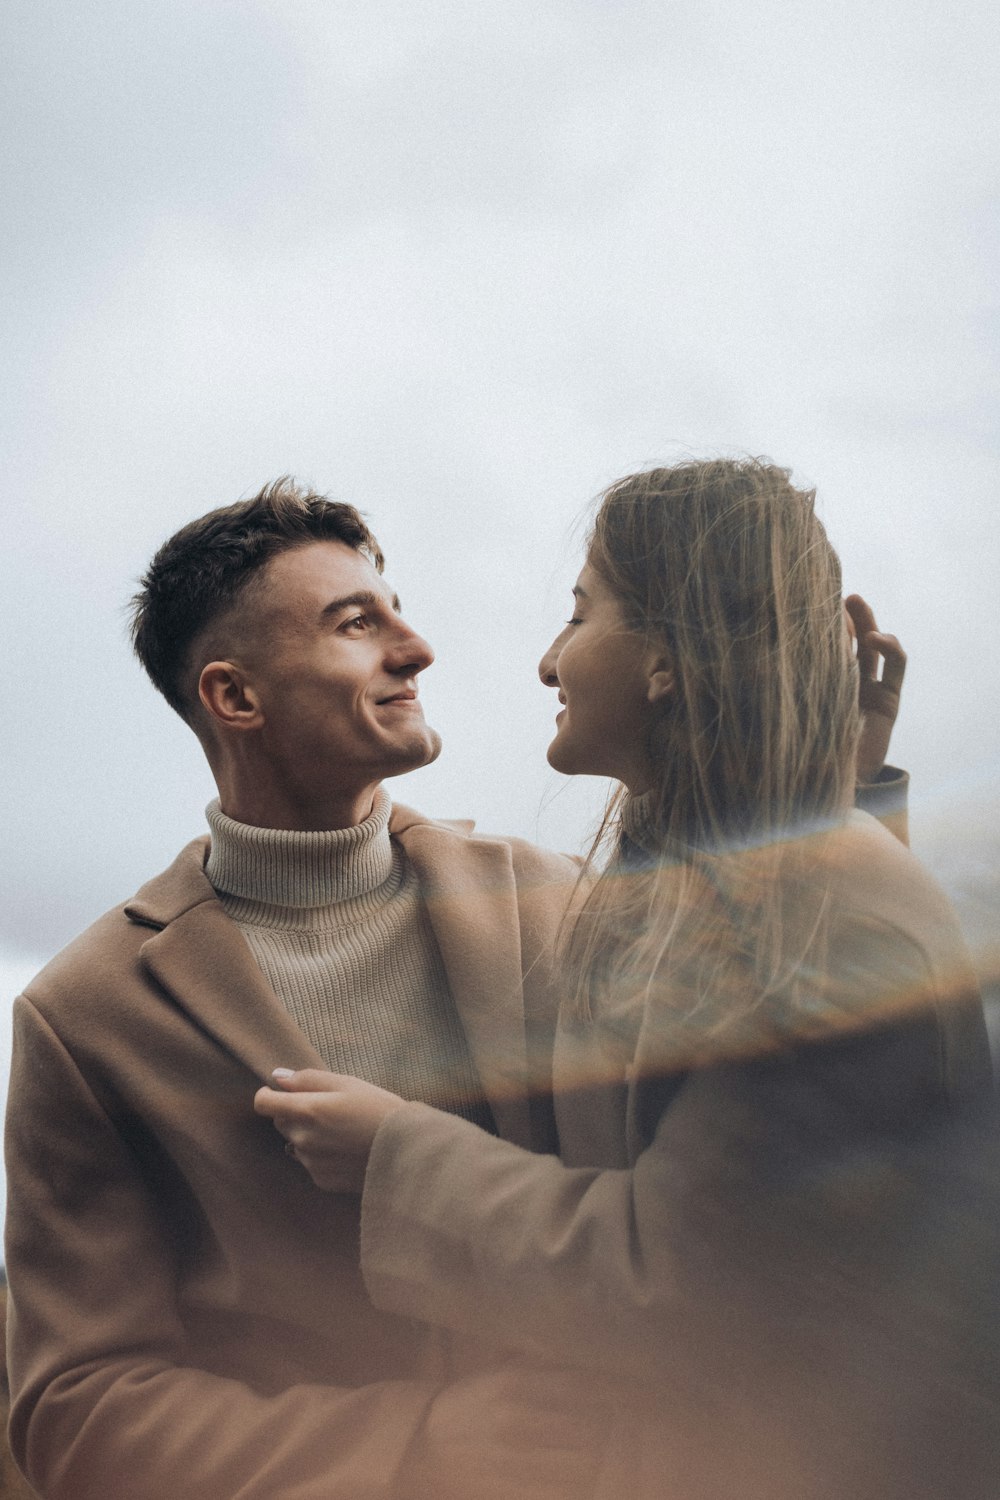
{"type": "Point", "coordinates": [401, 699]}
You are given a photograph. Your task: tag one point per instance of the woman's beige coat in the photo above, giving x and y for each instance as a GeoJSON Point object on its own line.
{"type": "Point", "coordinates": [187, 1317]}
{"type": "Point", "coordinates": [779, 1237]}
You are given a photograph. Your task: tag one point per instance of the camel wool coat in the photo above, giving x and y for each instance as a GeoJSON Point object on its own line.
{"type": "Point", "coordinates": [187, 1313]}
{"type": "Point", "coordinates": [776, 1225]}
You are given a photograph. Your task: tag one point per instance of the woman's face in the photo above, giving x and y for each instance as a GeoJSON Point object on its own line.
{"type": "Point", "coordinates": [610, 682]}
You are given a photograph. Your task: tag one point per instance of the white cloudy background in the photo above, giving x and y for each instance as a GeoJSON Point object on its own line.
{"type": "Point", "coordinates": [463, 264]}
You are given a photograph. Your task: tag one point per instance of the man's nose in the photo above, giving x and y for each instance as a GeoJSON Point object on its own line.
{"type": "Point", "coordinates": [409, 651]}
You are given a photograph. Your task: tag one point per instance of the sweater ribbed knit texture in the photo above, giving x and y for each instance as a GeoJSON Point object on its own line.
{"type": "Point", "coordinates": [337, 926]}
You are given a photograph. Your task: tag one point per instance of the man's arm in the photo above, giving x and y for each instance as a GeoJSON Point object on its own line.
{"type": "Point", "coordinates": [104, 1400]}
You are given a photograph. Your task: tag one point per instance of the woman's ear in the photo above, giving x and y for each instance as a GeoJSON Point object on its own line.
{"type": "Point", "coordinates": [660, 679]}
{"type": "Point", "coordinates": [228, 698]}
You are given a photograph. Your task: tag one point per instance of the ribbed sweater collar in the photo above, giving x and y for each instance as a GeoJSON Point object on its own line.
{"type": "Point", "coordinates": [280, 869]}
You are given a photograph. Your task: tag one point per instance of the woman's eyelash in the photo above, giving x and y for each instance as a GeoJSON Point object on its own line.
{"type": "Point", "coordinates": [574, 620]}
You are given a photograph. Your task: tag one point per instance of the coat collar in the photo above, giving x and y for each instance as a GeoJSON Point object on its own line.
{"type": "Point", "coordinates": [199, 957]}
{"type": "Point", "coordinates": [471, 899]}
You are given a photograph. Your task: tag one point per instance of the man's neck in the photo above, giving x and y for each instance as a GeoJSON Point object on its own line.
{"type": "Point", "coordinates": [299, 812]}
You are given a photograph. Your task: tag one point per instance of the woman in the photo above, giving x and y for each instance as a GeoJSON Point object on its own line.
{"type": "Point", "coordinates": [768, 1014]}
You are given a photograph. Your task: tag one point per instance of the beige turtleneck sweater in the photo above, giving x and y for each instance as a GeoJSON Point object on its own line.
{"type": "Point", "coordinates": [336, 923]}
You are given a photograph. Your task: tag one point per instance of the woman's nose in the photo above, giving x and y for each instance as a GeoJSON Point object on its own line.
{"type": "Point", "coordinates": [547, 666]}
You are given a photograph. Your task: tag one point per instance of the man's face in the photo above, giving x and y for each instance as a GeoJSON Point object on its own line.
{"type": "Point", "coordinates": [334, 669]}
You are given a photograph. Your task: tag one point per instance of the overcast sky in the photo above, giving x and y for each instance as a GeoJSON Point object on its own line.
{"type": "Point", "coordinates": [464, 264]}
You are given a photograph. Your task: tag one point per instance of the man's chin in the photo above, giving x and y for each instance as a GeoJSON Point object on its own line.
{"type": "Point", "coordinates": [417, 755]}
{"type": "Point", "coordinates": [433, 747]}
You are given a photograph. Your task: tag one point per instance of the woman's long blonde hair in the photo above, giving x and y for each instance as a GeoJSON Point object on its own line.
{"type": "Point", "coordinates": [725, 566]}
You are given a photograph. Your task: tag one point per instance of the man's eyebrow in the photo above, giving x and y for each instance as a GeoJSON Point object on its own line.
{"type": "Point", "coordinates": [363, 599]}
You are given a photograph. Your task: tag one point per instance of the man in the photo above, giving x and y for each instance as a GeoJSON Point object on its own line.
{"type": "Point", "coordinates": [187, 1313]}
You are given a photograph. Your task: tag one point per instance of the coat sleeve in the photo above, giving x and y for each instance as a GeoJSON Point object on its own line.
{"type": "Point", "coordinates": [103, 1401]}
{"type": "Point", "coordinates": [887, 799]}
{"type": "Point", "coordinates": [769, 1205]}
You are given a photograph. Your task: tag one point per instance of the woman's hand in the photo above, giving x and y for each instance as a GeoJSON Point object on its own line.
{"type": "Point", "coordinates": [329, 1122]}
{"type": "Point", "coordinates": [878, 697]}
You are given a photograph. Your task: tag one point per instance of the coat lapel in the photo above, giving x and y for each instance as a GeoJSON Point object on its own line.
{"type": "Point", "coordinates": [470, 896]}
{"type": "Point", "coordinates": [198, 955]}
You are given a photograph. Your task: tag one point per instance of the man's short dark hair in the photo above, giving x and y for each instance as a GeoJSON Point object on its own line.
{"type": "Point", "coordinates": [199, 573]}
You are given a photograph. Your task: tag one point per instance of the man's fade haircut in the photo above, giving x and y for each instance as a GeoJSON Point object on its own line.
{"type": "Point", "coordinates": [203, 569]}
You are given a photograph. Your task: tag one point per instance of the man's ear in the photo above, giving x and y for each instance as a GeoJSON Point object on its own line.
{"type": "Point", "coordinates": [228, 698]}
